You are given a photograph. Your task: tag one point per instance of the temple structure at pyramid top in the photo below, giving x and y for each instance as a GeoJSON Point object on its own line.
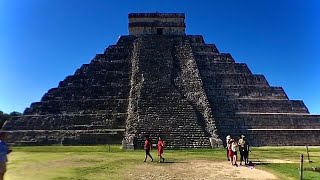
{"type": "Point", "coordinates": [157, 23]}
{"type": "Point", "coordinates": [158, 81]}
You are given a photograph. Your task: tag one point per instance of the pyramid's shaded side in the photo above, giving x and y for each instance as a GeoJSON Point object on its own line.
{"type": "Point", "coordinates": [89, 107]}
{"type": "Point", "coordinates": [174, 86]}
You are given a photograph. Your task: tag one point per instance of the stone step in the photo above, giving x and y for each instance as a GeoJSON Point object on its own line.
{"type": "Point", "coordinates": [65, 121]}
{"type": "Point", "coordinates": [234, 79]}
{"type": "Point", "coordinates": [207, 69]}
{"type": "Point", "coordinates": [81, 92]}
{"type": "Point", "coordinates": [258, 105]}
{"type": "Point", "coordinates": [98, 75]}
{"type": "Point", "coordinates": [282, 137]}
{"type": "Point", "coordinates": [104, 66]}
{"type": "Point", "coordinates": [66, 137]}
{"type": "Point", "coordinates": [250, 92]}
{"type": "Point", "coordinates": [126, 40]}
{"type": "Point", "coordinates": [181, 143]}
{"type": "Point", "coordinates": [167, 127]}
{"type": "Point", "coordinates": [56, 107]}
{"type": "Point", "coordinates": [285, 121]}
{"type": "Point", "coordinates": [214, 57]}
{"type": "Point", "coordinates": [195, 39]}
{"type": "Point", "coordinates": [115, 49]}
{"type": "Point", "coordinates": [204, 47]}
{"type": "Point", "coordinates": [93, 127]}
{"type": "Point", "coordinates": [107, 64]}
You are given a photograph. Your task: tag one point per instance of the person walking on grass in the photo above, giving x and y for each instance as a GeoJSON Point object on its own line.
{"type": "Point", "coordinates": [4, 150]}
{"type": "Point", "coordinates": [234, 146]}
{"type": "Point", "coordinates": [160, 149]}
{"type": "Point", "coordinates": [227, 142]}
{"type": "Point", "coordinates": [147, 148]}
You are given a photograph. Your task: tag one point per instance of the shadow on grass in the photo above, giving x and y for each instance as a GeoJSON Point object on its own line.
{"type": "Point", "coordinates": [172, 162]}
{"type": "Point", "coordinates": [257, 163]}
{"type": "Point", "coordinates": [262, 163]}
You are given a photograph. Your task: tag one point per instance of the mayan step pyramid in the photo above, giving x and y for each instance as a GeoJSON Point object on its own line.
{"type": "Point", "coordinates": [158, 81]}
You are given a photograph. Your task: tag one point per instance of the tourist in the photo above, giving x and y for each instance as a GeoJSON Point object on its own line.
{"type": "Point", "coordinates": [230, 153]}
{"type": "Point", "coordinates": [243, 149]}
{"type": "Point", "coordinates": [4, 150]}
{"type": "Point", "coordinates": [234, 145]}
{"type": "Point", "coordinates": [160, 149]}
{"type": "Point", "coordinates": [241, 144]}
{"type": "Point", "coordinates": [246, 151]}
{"type": "Point", "coordinates": [147, 148]}
{"type": "Point", "coordinates": [227, 142]}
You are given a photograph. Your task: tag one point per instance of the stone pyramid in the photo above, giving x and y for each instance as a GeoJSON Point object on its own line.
{"type": "Point", "coordinates": [158, 81]}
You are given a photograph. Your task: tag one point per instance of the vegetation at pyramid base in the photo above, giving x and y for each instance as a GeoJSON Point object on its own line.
{"type": "Point", "coordinates": [5, 117]}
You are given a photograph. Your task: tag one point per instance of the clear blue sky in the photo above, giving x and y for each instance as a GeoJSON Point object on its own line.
{"type": "Point", "coordinates": [43, 41]}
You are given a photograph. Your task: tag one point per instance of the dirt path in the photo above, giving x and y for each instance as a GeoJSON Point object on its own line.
{"type": "Point", "coordinates": [196, 169]}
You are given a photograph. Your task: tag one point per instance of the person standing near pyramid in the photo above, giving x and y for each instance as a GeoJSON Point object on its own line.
{"type": "Point", "coordinates": [243, 149]}
{"type": "Point", "coordinates": [228, 146]}
{"type": "Point", "coordinates": [234, 146]}
{"type": "Point", "coordinates": [160, 149]}
{"type": "Point", "coordinates": [147, 148]}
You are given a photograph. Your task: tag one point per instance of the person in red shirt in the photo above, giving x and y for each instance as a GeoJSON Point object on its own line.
{"type": "Point", "coordinates": [147, 148]}
{"type": "Point", "coordinates": [160, 149]}
{"type": "Point", "coordinates": [230, 152]}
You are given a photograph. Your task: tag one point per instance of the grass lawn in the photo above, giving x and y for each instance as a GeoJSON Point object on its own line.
{"type": "Point", "coordinates": [96, 162]}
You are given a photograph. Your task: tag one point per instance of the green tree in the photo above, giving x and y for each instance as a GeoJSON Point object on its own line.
{"type": "Point", "coordinates": [5, 117]}
{"type": "Point", "coordinates": [15, 113]}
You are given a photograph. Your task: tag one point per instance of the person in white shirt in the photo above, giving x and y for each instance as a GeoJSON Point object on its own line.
{"type": "Point", "coordinates": [234, 146]}
{"type": "Point", "coordinates": [227, 142]}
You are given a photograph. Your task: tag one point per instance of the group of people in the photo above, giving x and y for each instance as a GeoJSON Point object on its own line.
{"type": "Point", "coordinates": [147, 148]}
{"type": "Point", "coordinates": [232, 148]}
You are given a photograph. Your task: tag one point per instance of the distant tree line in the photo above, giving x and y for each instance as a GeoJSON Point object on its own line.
{"type": "Point", "coordinates": [4, 116]}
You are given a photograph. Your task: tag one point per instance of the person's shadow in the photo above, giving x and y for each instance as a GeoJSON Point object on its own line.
{"type": "Point", "coordinates": [172, 162]}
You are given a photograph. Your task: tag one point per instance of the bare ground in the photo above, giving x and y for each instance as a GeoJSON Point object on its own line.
{"type": "Point", "coordinates": [196, 169]}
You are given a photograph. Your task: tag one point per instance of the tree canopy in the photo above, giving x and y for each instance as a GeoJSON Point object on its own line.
{"type": "Point", "coordinates": [5, 117]}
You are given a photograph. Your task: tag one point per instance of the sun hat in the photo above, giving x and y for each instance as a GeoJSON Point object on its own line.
{"type": "Point", "coordinates": [228, 137]}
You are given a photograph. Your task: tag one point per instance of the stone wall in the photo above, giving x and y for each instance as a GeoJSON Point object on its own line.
{"type": "Point", "coordinates": [151, 23]}
{"type": "Point", "coordinates": [153, 30]}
